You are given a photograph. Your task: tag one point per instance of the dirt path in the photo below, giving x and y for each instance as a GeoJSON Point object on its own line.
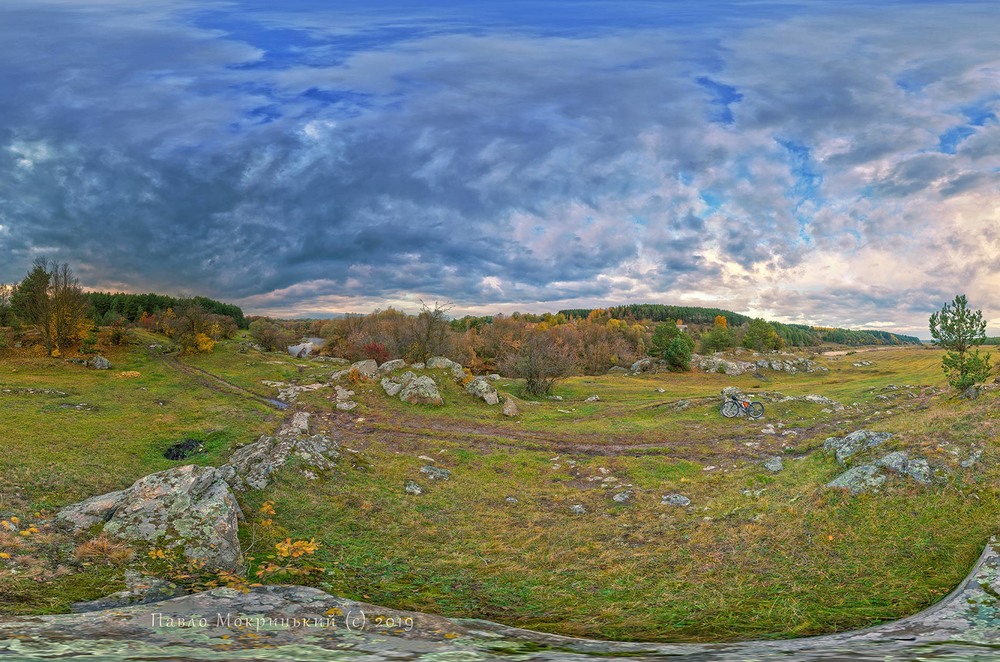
{"type": "Point", "coordinates": [219, 385]}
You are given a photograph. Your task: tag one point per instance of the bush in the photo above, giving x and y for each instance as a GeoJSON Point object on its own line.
{"type": "Point", "coordinates": [541, 361]}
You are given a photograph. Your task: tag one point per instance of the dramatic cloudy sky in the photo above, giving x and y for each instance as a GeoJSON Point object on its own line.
{"type": "Point", "coordinates": [831, 162]}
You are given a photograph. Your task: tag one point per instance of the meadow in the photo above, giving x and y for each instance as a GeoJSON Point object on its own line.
{"type": "Point", "coordinates": [754, 553]}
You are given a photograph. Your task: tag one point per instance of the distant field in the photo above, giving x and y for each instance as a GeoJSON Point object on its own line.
{"type": "Point", "coordinates": [755, 553]}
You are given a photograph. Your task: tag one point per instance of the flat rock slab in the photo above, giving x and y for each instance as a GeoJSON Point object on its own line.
{"type": "Point", "coordinates": [298, 623]}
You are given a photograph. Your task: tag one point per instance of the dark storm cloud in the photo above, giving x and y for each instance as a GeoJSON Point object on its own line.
{"type": "Point", "coordinates": [300, 158]}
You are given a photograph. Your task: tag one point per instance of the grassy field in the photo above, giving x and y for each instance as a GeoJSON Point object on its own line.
{"type": "Point", "coordinates": [755, 554]}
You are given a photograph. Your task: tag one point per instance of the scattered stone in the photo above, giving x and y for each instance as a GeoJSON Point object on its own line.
{"type": "Point", "coordinates": [774, 464]}
{"type": "Point", "coordinates": [426, 458]}
{"type": "Point", "coordinates": [346, 405]}
{"type": "Point", "coordinates": [440, 363]}
{"type": "Point", "coordinates": [731, 391]}
{"type": "Point", "coordinates": [183, 449]}
{"type": "Point", "coordinates": [435, 473]}
{"type": "Point", "coordinates": [510, 407]}
{"type": "Point", "coordinates": [510, 499]}
{"type": "Point", "coordinates": [971, 393]}
{"type": "Point", "coordinates": [617, 370]}
{"type": "Point", "coordinates": [406, 377]}
{"type": "Point", "coordinates": [342, 393]}
{"type": "Point", "coordinates": [660, 389]}
{"type": "Point", "coordinates": [494, 377]}
{"type": "Point", "coordinates": [189, 507]}
{"type": "Point", "coordinates": [675, 500]}
{"type": "Point", "coordinates": [390, 387]}
{"type": "Point", "coordinates": [413, 488]}
{"type": "Point", "coordinates": [682, 405]}
{"type": "Point", "coordinates": [417, 366]}
{"type": "Point", "coordinates": [482, 389]}
{"type": "Point", "coordinates": [623, 497]}
{"type": "Point", "coordinates": [290, 392]}
{"type": "Point", "coordinates": [335, 360]}
{"type": "Point", "coordinates": [862, 364]}
{"type": "Point", "coordinates": [857, 441]}
{"type": "Point", "coordinates": [100, 363]}
{"type": "Point", "coordinates": [578, 509]}
{"type": "Point", "coordinates": [973, 458]}
{"type": "Point", "coordinates": [391, 366]}
{"type": "Point", "coordinates": [421, 390]}
{"type": "Point", "coordinates": [768, 429]}
{"type": "Point", "coordinates": [593, 398]}
{"type": "Point", "coordinates": [557, 398]}
{"type": "Point", "coordinates": [871, 476]}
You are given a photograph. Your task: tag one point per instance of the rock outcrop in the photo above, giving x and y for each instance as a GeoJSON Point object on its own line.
{"type": "Point", "coordinates": [189, 507]}
{"type": "Point", "coordinates": [421, 390]}
{"type": "Point", "coordinates": [251, 467]}
{"type": "Point", "coordinates": [857, 441]}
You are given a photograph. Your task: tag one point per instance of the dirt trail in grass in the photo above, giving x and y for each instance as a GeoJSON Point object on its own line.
{"type": "Point", "coordinates": [220, 385]}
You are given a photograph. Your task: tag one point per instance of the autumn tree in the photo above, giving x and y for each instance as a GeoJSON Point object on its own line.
{"type": "Point", "coordinates": [719, 338]}
{"type": "Point", "coordinates": [51, 299]}
{"type": "Point", "coordinates": [960, 331]}
{"type": "Point", "coordinates": [432, 332]}
{"type": "Point", "coordinates": [540, 361]}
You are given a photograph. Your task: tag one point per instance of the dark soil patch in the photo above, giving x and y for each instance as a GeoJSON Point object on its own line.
{"type": "Point", "coordinates": [183, 449]}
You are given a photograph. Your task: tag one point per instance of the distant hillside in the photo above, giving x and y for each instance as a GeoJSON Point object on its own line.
{"type": "Point", "coordinates": [796, 335]}
{"type": "Point", "coordinates": [132, 306]}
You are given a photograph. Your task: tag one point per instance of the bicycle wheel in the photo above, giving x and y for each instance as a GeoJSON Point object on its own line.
{"type": "Point", "coordinates": [730, 409]}
{"type": "Point", "coordinates": [756, 410]}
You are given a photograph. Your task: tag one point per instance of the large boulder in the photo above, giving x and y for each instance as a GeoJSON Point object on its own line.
{"type": "Point", "coordinates": [483, 390]}
{"type": "Point", "coordinates": [867, 477]}
{"type": "Point", "coordinates": [642, 365]}
{"type": "Point", "coordinates": [189, 507]}
{"type": "Point", "coordinates": [421, 390]}
{"type": "Point", "coordinates": [857, 441]}
{"type": "Point", "coordinates": [441, 362]}
{"type": "Point", "coordinates": [368, 368]}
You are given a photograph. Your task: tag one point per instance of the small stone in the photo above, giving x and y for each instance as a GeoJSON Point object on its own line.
{"type": "Point", "coordinates": [577, 509]}
{"type": "Point", "coordinates": [510, 407]}
{"type": "Point", "coordinates": [624, 497]}
{"type": "Point", "coordinates": [510, 500]}
{"type": "Point", "coordinates": [413, 488]}
{"type": "Point", "coordinates": [346, 405]}
{"type": "Point", "coordinates": [675, 500]}
{"type": "Point", "coordinates": [435, 473]}
{"type": "Point", "coordinates": [593, 398]}
{"type": "Point", "coordinates": [774, 464]}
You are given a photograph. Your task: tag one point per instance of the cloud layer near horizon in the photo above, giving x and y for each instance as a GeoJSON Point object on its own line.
{"type": "Point", "coordinates": [834, 166]}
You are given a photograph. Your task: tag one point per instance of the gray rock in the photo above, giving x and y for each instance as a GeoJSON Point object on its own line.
{"type": "Point", "coordinates": [413, 488]}
{"type": "Point", "coordinates": [421, 390]}
{"type": "Point", "coordinates": [855, 442]}
{"type": "Point", "coordinates": [95, 510]}
{"type": "Point", "coordinates": [440, 362]}
{"type": "Point", "coordinates": [483, 390]}
{"type": "Point", "coordinates": [406, 377]}
{"type": "Point", "coordinates": [333, 360]}
{"type": "Point", "coordinates": [435, 473]}
{"type": "Point", "coordinates": [254, 463]}
{"type": "Point", "coordinates": [859, 479]}
{"type": "Point", "coordinates": [188, 507]}
{"type": "Point", "coordinates": [510, 499]}
{"type": "Point", "coordinates": [623, 497]}
{"type": "Point", "coordinates": [617, 370]}
{"type": "Point", "coordinates": [391, 366]}
{"type": "Point", "coordinates": [660, 389]}
{"type": "Point", "coordinates": [368, 367]}
{"type": "Point", "coordinates": [346, 405]}
{"type": "Point", "coordinates": [774, 464]}
{"type": "Point", "coordinates": [100, 363]}
{"type": "Point", "coordinates": [642, 365]}
{"type": "Point", "coordinates": [577, 509]}
{"type": "Point", "coordinates": [593, 398]}
{"type": "Point", "coordinates": [682, 404]}
{"type": "Point", "coordinates": [493, 377]}
{"type": "Point", "coordinates": [390, 387]}
{"type": "Point", "coordinates": [417, 366]}
{"type": "Point", "coordinates": [675, 500]}
{"type": "Point", "coordinates": [971, 393]}
{"type": "Point", "coordinates": [510, 407]}
{"type": "Point", "coordinates": [900, 462]}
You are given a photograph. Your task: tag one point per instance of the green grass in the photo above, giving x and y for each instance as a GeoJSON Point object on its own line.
{"type": "Point", "coordinates": [755, 555]}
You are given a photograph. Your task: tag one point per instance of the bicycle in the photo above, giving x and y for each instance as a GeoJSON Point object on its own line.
{"type": "Point", "coordinates": [735, 407]}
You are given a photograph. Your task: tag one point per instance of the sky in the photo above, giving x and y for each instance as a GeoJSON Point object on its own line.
{"type": "Point", "coordinates": [821, 162]}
